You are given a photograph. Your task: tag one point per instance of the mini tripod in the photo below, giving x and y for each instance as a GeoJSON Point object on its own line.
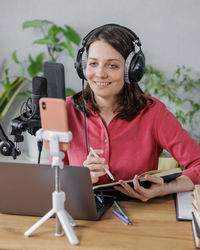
{"type": "Point", "coordinates": [58, 196]}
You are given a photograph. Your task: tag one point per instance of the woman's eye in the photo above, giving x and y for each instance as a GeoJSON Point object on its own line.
{"type": "Point", "coordinates": [92, 64]}
{"type": "Point", "coordinates": [113, 66]}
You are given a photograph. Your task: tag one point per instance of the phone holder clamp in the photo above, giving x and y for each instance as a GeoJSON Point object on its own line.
{"type": "Point", "coordinates": [54, 138]}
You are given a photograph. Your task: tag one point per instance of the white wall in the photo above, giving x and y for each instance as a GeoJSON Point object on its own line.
{"type": "Point", "coordinates": [168, 29]}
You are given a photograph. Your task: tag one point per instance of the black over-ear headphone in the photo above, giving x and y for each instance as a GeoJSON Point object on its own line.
{"type": "Point", "coordinates": [135, 62]}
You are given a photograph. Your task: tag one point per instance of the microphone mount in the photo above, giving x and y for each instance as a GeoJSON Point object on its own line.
{"type": "Point", "coordinates": [27, 121]}
{"type": "Point", "coordinates": [7, 147]}
{"type": "Point", "coordinates": [18, 125]}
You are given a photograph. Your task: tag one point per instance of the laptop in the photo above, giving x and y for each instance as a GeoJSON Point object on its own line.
{"type": "Point", "coordinates": [26, 189]}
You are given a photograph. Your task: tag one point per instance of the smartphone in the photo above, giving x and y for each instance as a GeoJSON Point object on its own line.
{"type": "Point", "coordinates": [55, 76]}
{"type": "Point", "coordinates": [53, 113]}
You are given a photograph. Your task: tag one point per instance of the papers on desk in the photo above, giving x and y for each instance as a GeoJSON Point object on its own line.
{"type": "Point", "coordinates": [184, 207]}
{"type": "Point", "coordinates": [196, 216]}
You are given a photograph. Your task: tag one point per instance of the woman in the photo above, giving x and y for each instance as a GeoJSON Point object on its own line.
{"type": "Point", "coordinates": [127, 129]}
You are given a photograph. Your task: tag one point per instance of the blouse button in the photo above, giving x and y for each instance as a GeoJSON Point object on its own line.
{"type": "Point", "coordinates": [105, 141]}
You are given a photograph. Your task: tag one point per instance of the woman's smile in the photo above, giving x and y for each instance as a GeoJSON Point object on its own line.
{"type": "Point", "coordinates": [102, 84]}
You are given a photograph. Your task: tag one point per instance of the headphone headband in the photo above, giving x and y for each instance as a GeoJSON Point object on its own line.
{"type": "Point", "coordinates": [129, 32]}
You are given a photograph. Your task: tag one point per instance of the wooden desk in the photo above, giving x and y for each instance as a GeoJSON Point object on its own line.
{"type": "Point", "coordinates": [154, 227]}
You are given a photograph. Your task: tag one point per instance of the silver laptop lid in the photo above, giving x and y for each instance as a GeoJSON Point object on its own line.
{"type": "Point", "coordinates": [26, 189]}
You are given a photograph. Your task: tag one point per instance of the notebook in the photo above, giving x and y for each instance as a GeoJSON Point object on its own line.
{"type": "Point", "coordinates": [183, 205]}
{"type": "Point", "coordinates": [26, 189]}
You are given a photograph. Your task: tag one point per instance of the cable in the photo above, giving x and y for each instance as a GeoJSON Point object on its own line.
{"type": "Point", "coordinates": [27, 111]}
{"type": "Point", "coordinates": [39, 145]}
{"type": "Point", "coordinates": [83, 104]}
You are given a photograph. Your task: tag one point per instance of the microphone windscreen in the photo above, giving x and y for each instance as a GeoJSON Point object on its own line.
{"type": "Point", "coordinates": [39, 89]}
{"type": "Point", "coordinates": [39, 86]}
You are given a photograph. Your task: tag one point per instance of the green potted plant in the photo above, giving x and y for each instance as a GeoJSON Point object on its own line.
{"type": "Point", "coordinates": [56, 39]}
{"type": "Point", "coordinates": [177, 92]}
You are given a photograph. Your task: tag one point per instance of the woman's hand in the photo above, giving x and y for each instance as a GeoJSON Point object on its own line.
{"type": "Point", "coordinates": [96, 165]}
{"type": "Point", "coordinates": [144, 194]}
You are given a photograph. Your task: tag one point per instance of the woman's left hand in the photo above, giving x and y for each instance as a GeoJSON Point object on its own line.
{"type": "Point", "coordinates": [144, 194]}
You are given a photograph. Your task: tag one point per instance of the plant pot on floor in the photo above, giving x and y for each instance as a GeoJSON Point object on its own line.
{"type": "Point", "coordinates": [32, 153]}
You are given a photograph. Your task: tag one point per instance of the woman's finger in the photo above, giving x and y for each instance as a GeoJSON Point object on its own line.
{"type": "Point", "coordinates": [154, 179]}
{"type": "Point", "coordinates": [97, 151]}
{"type": "Point", "coordinates": [127, 190]}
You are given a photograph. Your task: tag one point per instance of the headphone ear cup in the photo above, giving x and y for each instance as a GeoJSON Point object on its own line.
{"type": "Point", "coordinates": [81, 62]}
{"type": "Point", "coordinates": [137, 67]}
{"type": "Point", "coordinates": [84, 63]}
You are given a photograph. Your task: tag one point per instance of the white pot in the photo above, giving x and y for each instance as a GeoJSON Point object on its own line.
{"type": "Point", "coordinates": [31, 154]}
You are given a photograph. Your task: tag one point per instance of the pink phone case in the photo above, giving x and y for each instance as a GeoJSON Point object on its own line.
{"type": "Point", "coordinates": [53, 114]}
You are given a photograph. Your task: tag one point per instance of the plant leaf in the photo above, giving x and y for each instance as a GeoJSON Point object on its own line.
{"type": "Point", "coordinates": [46, 40]}
{"type": "Point", "coordinates": [40, 57]}
{"type": "Point", "coordinates": [30, 58]}
{"type": "Point", "coordinates": [14, 57]}
{"type": "Point", "coordinates": [72, 35]}
{"type": "Point", "coordinates": [69, 92]}
{"type": "Point", "coordinates": [36, 66]}
{"type": "Point", "coordinates": [54, 30]}
{"type": "Point", "coordinates": [35, 23]}
{"type": "Point", "coordinates": [69, 47]}
{"type": "Point", "coordinates": [58, 49]}
{"type": "Point", "coordinates": [34, 69]}
{"type": "Point", "coordinates": [22, 70]}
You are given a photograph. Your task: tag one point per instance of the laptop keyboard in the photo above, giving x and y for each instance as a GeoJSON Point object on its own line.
{"type": "Point", "coordinates": [99, 206]}
{"type": "Point", "coordinates": [103, 206]}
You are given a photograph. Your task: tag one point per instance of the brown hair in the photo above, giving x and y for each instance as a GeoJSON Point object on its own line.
{"type": "Point", "coordinates": [131, 99]}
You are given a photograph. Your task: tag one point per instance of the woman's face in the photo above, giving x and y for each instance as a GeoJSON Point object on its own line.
{"type": "Point", "coordinates": [105, 70]}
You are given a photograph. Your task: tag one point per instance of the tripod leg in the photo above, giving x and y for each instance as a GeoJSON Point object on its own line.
{"type": "Point", "coordinates": [69, 231]}
{"type": "Point", "coordinates": [39, 222]}
{"type": "Point", "coordinates": [59, 231]}
{"type": "Point", "coordinates": [71, 220]}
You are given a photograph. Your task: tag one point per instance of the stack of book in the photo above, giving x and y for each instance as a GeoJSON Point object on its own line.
{"type": "Point", "coordinates": [196, 216]}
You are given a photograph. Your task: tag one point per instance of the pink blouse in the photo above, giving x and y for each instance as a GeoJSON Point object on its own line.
{"type": "Point", "coordinates": [133, 147]}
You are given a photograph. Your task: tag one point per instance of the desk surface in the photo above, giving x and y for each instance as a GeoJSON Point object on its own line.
{"type": "Point", "coordinates": [154, 226]}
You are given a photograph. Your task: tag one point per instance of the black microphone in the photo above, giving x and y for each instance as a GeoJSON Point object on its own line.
{"type": "Point", "coordinates": [30, 108]}
{"type": "Point", "coordinates": [29, 119]}
{"type": "Point", "coordinates": [39, 89]}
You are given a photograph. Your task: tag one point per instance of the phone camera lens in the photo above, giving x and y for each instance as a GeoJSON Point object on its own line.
{"type": "Point", "coordinates": [43, 105]}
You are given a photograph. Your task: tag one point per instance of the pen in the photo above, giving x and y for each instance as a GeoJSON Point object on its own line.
{"type": "Point", "coordinates": [102, 196]}
{"type": "Point", "coordinates": [99, 199]}
{"type": "Point", "coordinates": [121, 217]}
{"type": "Point", "coordinates": [120, 209]}
{"type": "Point", "coordinates": [107, 171]}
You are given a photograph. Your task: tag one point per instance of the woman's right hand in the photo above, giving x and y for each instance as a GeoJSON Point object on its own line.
{"type": "Point", "coordinates": [96, 165]}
